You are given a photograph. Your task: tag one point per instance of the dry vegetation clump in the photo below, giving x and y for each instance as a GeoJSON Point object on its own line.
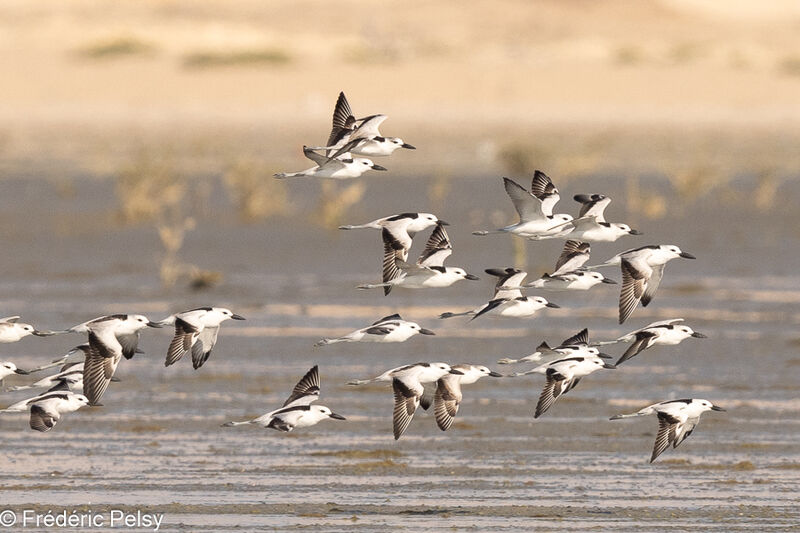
{"type": "Point", "coordinates": [115, 47]}
{"type": "Point", "coordinates": [236, 58]}
{"type": "Point", "coordinates": [335, 201]}
{"type": "Point", "coordinates": [256, 195]}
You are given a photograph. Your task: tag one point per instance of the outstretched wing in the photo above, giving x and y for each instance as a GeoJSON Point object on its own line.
{"type": "Point", "coordinates": [393, 250]}
{"type": "Point", "coordinates": [582, 337]}
{"type": "Point", "coordinates": [631, 291]}
{"type": "Point", "coordinates": [527, 205]}
{"type": "Point", "coordinates": [652, 284]}
{"type": "Point", "coordinates": [573, 256]}
{"type": "Point", "coordinates": [446, 402]}
{"type": "Point", "coordinates": [593, 205]}
{"type": "Point", "coordinates": [437, 249]}
{"type": "Point", "coordinates": [185, 334]}
{"type": "Point", "coordinates": [307, 389]}
{"type": "Point", "coordinates": [406, 401]}
{"type": "Point", "coordinates": [665, 435]}
{"type": "Point", "coordinates": [553, 388]}
{"type": "Point", "coordinates": [543, 189]}
{"type": "Point", "coordinates": [343, 121]}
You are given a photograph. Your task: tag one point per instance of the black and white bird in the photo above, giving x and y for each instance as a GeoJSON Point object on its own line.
{"type": "Point", "coordinates": [390, 328]}
{"type": "Point", "coordinates": [535, 209]}
{"type": "Point", "coordinates": [343, 167]}
{"type": "Point", "coordinates": [446, 394]}
{"type": "Point", "coordinates": [508, 301]}
{"type": "Point", "coordinates": [642, 270]}
{"type": "Point", "coordinates": [664, 332]}
{"type": "Point", "coordinates": [297, 411]}
{"type": "Point", "coordinates": [676, 420]}
{"type": "Point", "coordinates": [110, 338]}
{"type": "Point", "coordinates": [196, 331]}
{"type": "Point", "coordinates": [407, 383]}
{"type": "Point", "coordinates": [47, 409]}
{"type": "Point", "coordinates": [12, 330]}
{"type": "Point", "coordinates": [575, 346]}
{"type": "Point", "coordinates": [359, 135]}
{"type": "Point", "coordinates": [591, 224]}
{"type": "Point", "coordinates": [71, 374]}
{"type": "Point", "coordinates": [563, 375]}
{"type": "Point", "coordinates": [429, 272]}
{"type": "Point", "coordinates": [402, 227]}
{"type": "Point", "coordinates": [7, 368]}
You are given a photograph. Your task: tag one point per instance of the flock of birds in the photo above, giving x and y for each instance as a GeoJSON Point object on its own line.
{"type": "Point", "coordinates": [91, 367]}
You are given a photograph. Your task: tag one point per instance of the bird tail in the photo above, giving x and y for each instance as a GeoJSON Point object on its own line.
{"type": "Point", "coordinates": [451, 315]}
{"type": "Point", "coordinates": [373, 285]}
{"type": "Point", "coordinates": [359, 226]}
{"type": "Point", "coordinates": [231, 424]}
{"type": "Point", "coordinates": [631, 415]}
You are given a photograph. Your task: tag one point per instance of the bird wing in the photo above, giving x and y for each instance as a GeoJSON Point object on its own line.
{"type": "Point", "coordinates": [343, 120]}
{"type": "Point", "coordinates": [642, 341]}
{"type": "Point", "coordinates": [446, 401]}
{"type": "Point", "coordinates": [553, 388]}
{"type": "Point", "coordinates": [406, 400]}
{"type": "Point", "coordinates": [593, 205]}
{"type": "Point", "coordinates": [392, 251]}
{"type": "Point", "coordinates": [573, 256]}
{"type": "Point", "coordinates": [437, 249]}
{"type": "Point", "coordinates": [201, 349]}
{"type": "Point", "coordinates": [42, 418]}
{"type": "Point", "coordinates": [369, 127]}
{"type": "Point", "coordinates": [547, 193]}
{"type": "Point", "coordinates": [652, 284]}
{"type": "Point", "coordinates": [319, 159]}
{"type": "Point", "coordinates": [493, 304]}
{"type": "Point", "coordinates": [185, 336]}
{"type": "Point", "coordinates": [582, 337]}
{"type": "Point", "coordinates": [510, 277]}
{"type": "Point", "coordinates": [632, 289]}
{"type": "Point", "coordinates": [666, 433]}
{"type": "Point", "coordinates": [684, 430]}
{"type": "Point", "coordinates": [307, 389]}
{"type": "Point", "coordinates": [527, 205]}
{"type": "Point", "coordinates": [9, 320]}
{"type": "Point", "coordinates": [97, 374]}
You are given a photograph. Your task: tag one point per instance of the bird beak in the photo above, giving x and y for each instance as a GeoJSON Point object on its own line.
{"type": "Point", "coordinates": [602, 355]}
{"type": "Point", "coordinates": [238, 317]}
{"type": "Point", "coordinates": [43, 333]}
{"type": "Point", "coordinates": [698, 335]}
{"type": "Point", "coordinates": [426, 331]}
{"type": "Point", "coordinates": [495, 374]}
{"type": "Point", "coordinates": [716, 408]}
{"type": "Point", "coordinates": [687, 255]}
{"type": "Point", "coordinates": [410, 147]}
{"type": "Point", "coordinates": [456, 372]}
{"type": "Point", "coordinates": [554, 306]}
{"type": "Point", "coordinates": [609, 281]}
{"type": "Point", "coordinates": [378, 167]}
{"type": "Point", "coordinates": [609, 366]}
{"type": "Point", "coordinates": [337, 417]}
{"type": "Point", "coordinates": [635, 232]}
{"type": "Point", "coordinates": [21, 372]}
{"type": "Point", "coordinates": [443, 223]}
{"type": "Point", "coordinates": [471, 277]}
{"type": "Point", "coordinates": [115, 379]}
{"type": "Point", "coordinates": [154, 325]}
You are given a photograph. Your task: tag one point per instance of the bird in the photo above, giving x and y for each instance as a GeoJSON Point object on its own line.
{"type": "Point", "coordinates": [7, 368]}
{"type": "Point", "coordinates": [574, 346]}
{"type": "Point", "coordinates": [196, 331]}
{"type": "Point", "coordinates": [591, 224]}
{"type": "Point", "coordinates": [446, 393]}
{"type": "Point", "coordinates": [341, 168]}
{"type": "Point", "coordinates": [297, 411]}
{"type": "Point", "coordinates": [407, 384]}
{"type": "Point", "coordinates": [402, 227]}
{"type": "Point", "coordinates": [359, 136]}
{"type": "Point", "coordinates": [47, 409]}
{"type": "Point", "coordinates": [12, 330]}
{"type": "Point", "coordinates": [676, 420]}
{"type": "Point", "coordinates": [535, 209]}
{"type": "Point", "coordinates": [664, 332]}
{"type": "Point", "coordinates": [563, 375]}
{"type": "Point", "coordinates": [507, 300]}
{"type": "Point", "coordinates": [71, 374]}
{"type": "Point", "coordinates": [390, 328]}
{"type": "Point", "coordinates": [428, 272]}
{"type": "Point", "coordinates": [642, 270]}
{"type": "Point", "coordinates": [110, 338]}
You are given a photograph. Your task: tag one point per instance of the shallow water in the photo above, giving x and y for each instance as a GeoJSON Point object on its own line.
{"type": "Point", "coordinates": [156, 444]}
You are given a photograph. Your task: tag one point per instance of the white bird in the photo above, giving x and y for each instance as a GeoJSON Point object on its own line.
{"type": "Point", "coordinates": [347, 135]}
{"type": "Point", "coordinates": [642, 270]}
{"type": "Point", "coordinates": [390, 328]}
{"type": "Point", "coordinates": [428, 272]}
{"type": "Point", "coordinates": [47, 409]}
{"type": "Point", "coordinates": [591, 224]}
{"type": "Point", "coordinates": [402, 227]}
{"type": "Point", "coordinates": [563, 375]}
{"type": "Point", "coordinates": [196, 330]}
{"type": "Point", "coordinates": [342, 168]}
{"type": "Point", "coordinates": [110, 338]}
{"type": "Point", "coordinates": [664, 332]}
{"type": "Point", "coordinates": [676, 420]}
{"type": "Point", "coordinates": [577, 280]}
{"type": "Point", "coordinates": [7, 368]}
{"type": "Point", "coordinates": [446, 394]}
{"type": "Point", "coordinates": [507, 302]}
{"type": "Point", "coordinates": [574, 346]}
{"type": "Point", "coordinates": [407, 383]}
{"type": "Point", "coordinates": [12, 330]}
{"type": "Point", "coordinates": [535, 209]}
{"type": "Point", "coordinates": [297, 411]}
{"type": "Point", "coordinates": [71, 374]}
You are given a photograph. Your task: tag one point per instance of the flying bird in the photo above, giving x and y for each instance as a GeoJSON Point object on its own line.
{"type": "Point", "coordinates": [196, 331]}
{"type": "Point", "coordinates": [447, 394]}
{"type": "Point", "coordinates": [664, 332]}
{"type": "Point", "coordinates": [591, 224]}
{"type": "Point", "coordinates": [676, 420]}
{"type": "Point", "coordinates": [575, 346]}
{"type": "Point", "coordinates": [48, 408]}
{"type": "Point", "coordinates": [341, 168]}
{"type": "Point", "coordinates": [402, 227]}
{"type": "Point", "coordinates": [390, 328]}
{"type": "Point", "coordinates": [12, 330]}
{"type": "Point", "coordinates": [297, 411]}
